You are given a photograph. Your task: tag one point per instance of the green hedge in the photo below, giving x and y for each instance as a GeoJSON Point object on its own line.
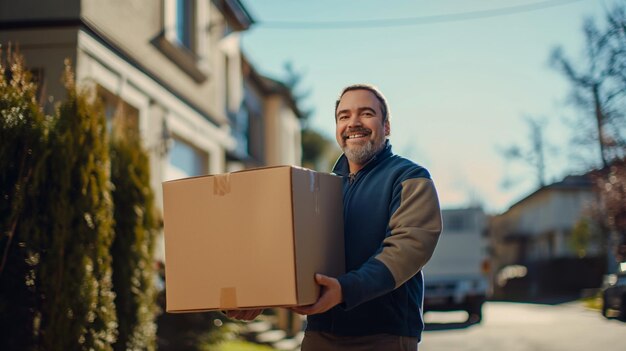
{"type": "Point", "coordinates": [62, 265]}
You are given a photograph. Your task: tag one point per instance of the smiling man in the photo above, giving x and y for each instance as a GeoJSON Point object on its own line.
{"type": "Point", "coordinates": [392, 224]}
{"type": "Point", "coordinates": [362, 126]}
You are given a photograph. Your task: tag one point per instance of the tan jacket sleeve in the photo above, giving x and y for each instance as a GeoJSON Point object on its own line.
{"type": "Point", "coordinates": [415, 227]}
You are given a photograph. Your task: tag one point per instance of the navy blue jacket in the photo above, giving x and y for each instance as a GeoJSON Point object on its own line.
{"type": "Point", "coordinates": [392, 224]}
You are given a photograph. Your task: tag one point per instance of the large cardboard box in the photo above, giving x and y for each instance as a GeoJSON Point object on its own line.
{"type": "Point", "coordinates": [253, 238]}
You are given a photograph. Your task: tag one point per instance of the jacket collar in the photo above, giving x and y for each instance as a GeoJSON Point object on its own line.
{"type": "Point", "coordinates": [342, 168]}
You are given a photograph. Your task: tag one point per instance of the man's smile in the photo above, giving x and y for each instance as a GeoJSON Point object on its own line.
{"type": "Point", "coordinates": [356, 135]}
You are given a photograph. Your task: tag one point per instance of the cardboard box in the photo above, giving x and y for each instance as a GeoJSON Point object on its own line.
{"type": "Point", "coordinates": [253, 238]}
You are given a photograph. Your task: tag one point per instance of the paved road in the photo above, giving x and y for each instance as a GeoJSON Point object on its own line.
{"type": "Point", "coordinates": [525, 327]}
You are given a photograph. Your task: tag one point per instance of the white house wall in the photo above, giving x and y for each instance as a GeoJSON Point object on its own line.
{"type": "Point", "coordinates": [548, 219]}
{"type": "Point", "coordinates": [290, 148]}
{"type": "Point", "coordinates": [230, 47]}
{"type": "Point", "coordinates": [133, 84]}
{"type": "Point", "coordinates": [135, 26]}
{"type": "Point", "coordinates": [98, 65]}
{"type": "Point", "coordinates": [283, 145]}
{"type": "Point", "coordinates": [551, 210]}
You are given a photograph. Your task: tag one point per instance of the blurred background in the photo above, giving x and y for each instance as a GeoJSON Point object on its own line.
{"type": "Point", "coordinates": [515, 107]}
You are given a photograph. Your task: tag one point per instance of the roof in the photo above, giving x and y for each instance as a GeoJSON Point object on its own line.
{"type": "Point", "coordinates": [270, 86]}
{"type": "Point", "coordinates": [570, 182]}
{"type": "Point", "coordinates": [236, 15]}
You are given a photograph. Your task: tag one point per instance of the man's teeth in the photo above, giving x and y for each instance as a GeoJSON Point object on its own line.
{"type": "Point", "coordinates": [355, 136]}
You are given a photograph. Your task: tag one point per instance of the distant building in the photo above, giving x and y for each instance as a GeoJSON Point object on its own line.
{"type": "Point", "coordinates": [272, 118]}
{"type": "Point", "coordinates": [532, 243]}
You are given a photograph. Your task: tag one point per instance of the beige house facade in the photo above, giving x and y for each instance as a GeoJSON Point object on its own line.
{"type": "Point", "coordinates": [174, 66]}
{"type": "Point", "coordinates": [276, 138]}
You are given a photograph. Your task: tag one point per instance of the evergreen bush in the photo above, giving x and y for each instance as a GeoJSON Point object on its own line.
{"type": "Point", "coordinates": [23, 151]}
{"type": "Point", "coordinates": [77, 307]}
{"type": "Point", "coordinates": [135, 230]}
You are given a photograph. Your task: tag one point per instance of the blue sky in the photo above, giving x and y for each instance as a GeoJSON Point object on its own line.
{"type": "Point", "coordinates": [458, 89]}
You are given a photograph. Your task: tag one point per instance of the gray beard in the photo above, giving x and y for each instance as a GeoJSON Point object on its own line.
{"type": "Point", "coordinates": [361, 155]}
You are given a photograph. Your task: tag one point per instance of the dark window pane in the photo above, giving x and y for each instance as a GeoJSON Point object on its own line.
{"type": "Point", "coordinates": [184, 23]}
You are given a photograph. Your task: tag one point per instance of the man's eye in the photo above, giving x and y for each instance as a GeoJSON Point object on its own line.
{"type": "Point", "coordinates": [343, 117]}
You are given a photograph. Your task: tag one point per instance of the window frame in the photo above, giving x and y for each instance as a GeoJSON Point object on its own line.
{"type": "Point", "coordinates": [199, 155]}
{"type": "Point", "coordinates": [191, 57]}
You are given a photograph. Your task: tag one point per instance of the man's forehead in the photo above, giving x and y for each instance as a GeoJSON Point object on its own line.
{"type": "Point", "coordinates": [358, 98]}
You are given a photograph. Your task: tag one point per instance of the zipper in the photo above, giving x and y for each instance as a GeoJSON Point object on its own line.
{"type": "Point", "coordinates": [351, 178]}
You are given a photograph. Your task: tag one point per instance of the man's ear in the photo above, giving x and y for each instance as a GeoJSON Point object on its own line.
{"type": "Point", "coordinates": [387, 128]}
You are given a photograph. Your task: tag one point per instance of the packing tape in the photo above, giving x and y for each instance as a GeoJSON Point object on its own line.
{"type": "Point", "coordinates": [314, 187]}
{"type": "Point", "coordinates": [221, 184]}
{"type": "Point", "coordinates": [311, 181]}
{"type": "Point", "coordinates": [228, 298]}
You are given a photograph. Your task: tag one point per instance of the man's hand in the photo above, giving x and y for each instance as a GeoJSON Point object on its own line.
{"type": "Point", "coordinates": [330, 297]}
{"type": "Point", "coordinates": [244, 315]}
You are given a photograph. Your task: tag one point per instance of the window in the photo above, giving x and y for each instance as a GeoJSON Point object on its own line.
{"type": "Point", "coordinates": [256, 136]}
{"type": "Point", "coordinates": [184, 24]}
{"type": "Point", "coordinates": [184, 39]}
{"type": "Point", "coordinates": [187, 159]}
{"type": "Point", "coordinates": [253, 106]}
{"type": "Point", "coordinates": [116, 109]}
{"type": "Point", "coordinates": [227, 86]}
{"type": "Point", "coordinates": [454, 222]}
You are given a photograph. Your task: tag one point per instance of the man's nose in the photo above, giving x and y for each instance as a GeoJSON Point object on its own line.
{"type": "Point", "coordinates": [354, 122]}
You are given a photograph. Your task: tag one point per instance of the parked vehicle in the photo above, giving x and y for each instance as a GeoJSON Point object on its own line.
{"type": "Point", "coordinates": [614, 295]}
{"type": "Point", "coordinates": [456, 276]}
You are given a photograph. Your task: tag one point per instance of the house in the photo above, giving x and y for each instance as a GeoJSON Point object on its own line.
{"type": "Point", "coordinates": [176, 69]}
{"type": "Point", "coordinates": [533, 243]}
{"type": "Point", "coordinates": [174, 66]}
{"type": "Point", "coordinates": [272, 119]}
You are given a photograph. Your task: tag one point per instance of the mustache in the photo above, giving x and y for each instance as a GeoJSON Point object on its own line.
{"type": "Point", "coordinates": [356, 131]}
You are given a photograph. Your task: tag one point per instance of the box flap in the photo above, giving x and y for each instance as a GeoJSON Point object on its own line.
{"type": "Point", "coordinates": [223, 174]}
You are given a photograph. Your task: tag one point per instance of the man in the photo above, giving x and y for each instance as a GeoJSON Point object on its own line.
{"type": "Point", "coordinates": [392, 224]}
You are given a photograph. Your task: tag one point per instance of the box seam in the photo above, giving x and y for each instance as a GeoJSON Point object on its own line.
{"type": "Point", "coordinates": [293, 233]}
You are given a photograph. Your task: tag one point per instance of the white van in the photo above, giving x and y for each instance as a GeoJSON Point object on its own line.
{"type": "Point", "coordinates": [456, 276]}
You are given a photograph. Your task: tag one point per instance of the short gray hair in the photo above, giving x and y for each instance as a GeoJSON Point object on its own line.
{"type": "Point", "coordinates": [371, 88]}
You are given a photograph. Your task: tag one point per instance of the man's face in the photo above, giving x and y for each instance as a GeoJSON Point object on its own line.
{"type": "Point", "coordinates": [360, 130]}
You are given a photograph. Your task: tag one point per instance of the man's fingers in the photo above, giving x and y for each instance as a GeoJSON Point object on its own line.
{"type": "Point", "coordinates": [325, 301]}
{"type": "Point", "coordinates": [237, 314]}
{"type": "Point", "coordinates": [304, 310]}
{"type": "Point", "coordinates": [322, 279]}
{"type": "Point", "coordinates": [231, 313]}
{"type": "Point", "coordinates": [243, 314]}
{"type": "Point", "coordinates": [298, 310]}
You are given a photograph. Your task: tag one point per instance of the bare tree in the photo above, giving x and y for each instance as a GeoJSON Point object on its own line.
{"type": "Point", "coordinates": [293, 80]}
{"type": "Point", "coordinates": [531, 155]}
{"type": "Point", "coordinates": [598, 83]}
